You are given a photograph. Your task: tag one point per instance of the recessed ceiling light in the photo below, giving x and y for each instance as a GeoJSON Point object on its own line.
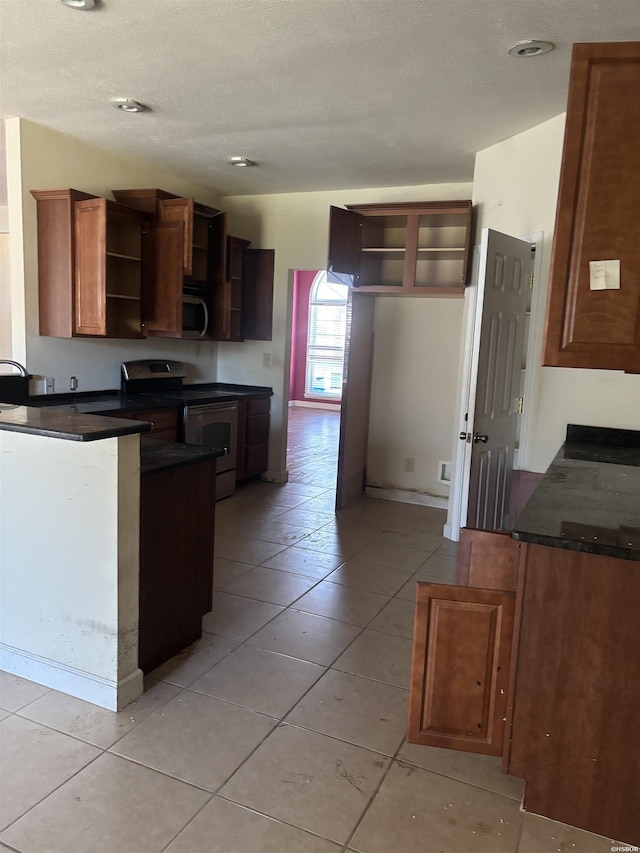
{"type": "Point", "coordinates": [128, 105]}
{"type": "Point", "coordinates": [83, 5]}
{"type": "Point", "coordinates": [531, 47]}
{"type": "Point", "coordinates": [240, 161]}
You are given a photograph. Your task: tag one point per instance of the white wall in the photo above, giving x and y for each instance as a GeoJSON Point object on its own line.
{"type": "Point", "coordinates": [69, 577]}
{"type": "Point", "coordinates": [515, 190]}
{"type": "Point", "coordinates": [40, 158]}
{"type": "Point", "coordinates": [415, 371]}
{"type": "Point", "coordinates": [297, 226]}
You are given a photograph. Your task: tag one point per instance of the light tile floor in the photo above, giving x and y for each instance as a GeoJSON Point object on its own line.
{"type": "Point", "coordinates": [282, 730]}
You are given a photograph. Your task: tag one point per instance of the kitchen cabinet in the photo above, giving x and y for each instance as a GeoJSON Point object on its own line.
{"type": "Point", "coordinates": [575, 736]}
{"type": "Point", "coordinates": [597, 216]}
{"type": "Point", "coordinates": [460, 668]}
{"type": "Point", "coordinates": [203, 254]}
{"type": "Point", "coordinates": [204, 230]}
{"type": "Point", "coordinates": [165, 423]}
{"type": "Point", "coordinates": [97, 264]}
{"type": "Point", "coordinates": [235, 282]}
{"type": "Point", "coordinates": [177, 507]}
{"type": "Point", "coordinates": [402, 249]}
{"type": "Point", "coordinates": [253, 436]}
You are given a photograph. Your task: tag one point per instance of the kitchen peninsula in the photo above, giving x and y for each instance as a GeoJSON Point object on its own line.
{"type": "Point", "coordinates": [70, 546]}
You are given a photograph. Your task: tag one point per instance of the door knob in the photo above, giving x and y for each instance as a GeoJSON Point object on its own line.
{"type": "Point", "coordinates": [483, 439]}
{"type": "Point", "coordinates": [462, 436]}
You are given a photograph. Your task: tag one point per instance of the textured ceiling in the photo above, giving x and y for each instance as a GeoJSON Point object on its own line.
{"type": "Point", "coordinates": [322, 94]}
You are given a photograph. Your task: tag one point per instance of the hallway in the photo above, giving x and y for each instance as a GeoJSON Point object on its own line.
{"type": "Point", "coordinates": [282, 729]}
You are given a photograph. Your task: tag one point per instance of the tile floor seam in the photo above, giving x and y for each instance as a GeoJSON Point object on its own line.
{"type": "Point", "coordinates": [253, 809]}
{"type": "Point", "coordinates": [188, 823]}
{"type": "Point", "coordinates": [163, 773]}
{"type": "Point", "coordinates": [46, 796]}
{"type": "Point", "coordinates": [405, 761]}
{"type": "Point", "coordinates": [372, 797]}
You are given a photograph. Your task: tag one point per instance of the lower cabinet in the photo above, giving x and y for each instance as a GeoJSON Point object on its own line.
{"type": "Point", "coordinates": [253, 437]}
{"type": "Point", "coordinates": [460, 668]}
{"type": "Point", "coordinates": [177, 507]}
{"type": "Point", "coordinates": [462, 645]}
{"type": "Point", "coordinates": [164, 423]}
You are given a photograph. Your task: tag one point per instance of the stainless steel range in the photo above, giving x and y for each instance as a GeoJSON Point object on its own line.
{"type": "Point", "coordinates": [208, 416]}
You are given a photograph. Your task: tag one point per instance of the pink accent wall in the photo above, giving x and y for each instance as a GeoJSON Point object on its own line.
{"type": "Point", "coordinates": [302, 281]}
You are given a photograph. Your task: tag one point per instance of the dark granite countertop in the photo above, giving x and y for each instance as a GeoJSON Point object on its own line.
{"type": "Point", "coordinates": [589, 498]}
{"type": "Point", "coordinates": [102, 402]}
{"type": "Point", "coordinates": [71, 426]}
{"type": "Point", "coordinates": [159, 455]}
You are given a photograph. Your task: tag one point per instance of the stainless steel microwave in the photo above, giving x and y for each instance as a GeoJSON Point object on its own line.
{"type": "Point", "coordinates": [195, 316]}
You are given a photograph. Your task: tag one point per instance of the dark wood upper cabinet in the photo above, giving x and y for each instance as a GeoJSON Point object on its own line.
{"type": "Point", "coordinates": [109, 269]}
{"type": "Point", "coordinates": [204, 229]}
{"type": "Point", "coordinates": [402, 249]}
{"type": "Point", "coordinates": [56, 251]}
{"type": "Point", "coordinates": [597, 217]}
{"type": "Point", "coordinates": [257, 294]}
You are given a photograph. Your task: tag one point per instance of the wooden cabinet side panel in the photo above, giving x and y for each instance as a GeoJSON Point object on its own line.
{"type": "Point", "coordinates": [162, 279]}
{"type": "Point", "coordinates": [575, 736]}
{"type": "Point", "coordinates": [459, 668]}
{"type": "Point", "coordinates": [176, 558]}
{"type": "Point", "coordinates": [597, 217]}
{"type": "Point", "coordinates": [257, 294]}
{"type": "Point", "coordinates": [90, 267]}
{"type": "Point", "coordinates": [487, 559]}
{"type": "Point", "coordinates": [180, 210]}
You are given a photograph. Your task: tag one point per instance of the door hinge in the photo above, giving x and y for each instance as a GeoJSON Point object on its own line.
{"type": "Point", "coordinates": [530, 281]}
{"type": "Point", "coordinates": [519, 405]}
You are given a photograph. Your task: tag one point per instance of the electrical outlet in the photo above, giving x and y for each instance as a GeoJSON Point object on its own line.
{"type": "Point", "coordinates": [410, 465]}
{"type": "Point", "coordinates": [266, 359]}
{"type": "Point", "coordinates": [73, 383]}
{"type": "Point", "coordinates": [49, 385]}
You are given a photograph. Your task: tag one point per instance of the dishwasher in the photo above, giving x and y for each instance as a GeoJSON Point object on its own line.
{"type": "Point", "coordinates": [216, 424]}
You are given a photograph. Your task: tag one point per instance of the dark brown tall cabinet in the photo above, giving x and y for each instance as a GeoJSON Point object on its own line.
{"type": "Point", "coordinates": [590, 322]}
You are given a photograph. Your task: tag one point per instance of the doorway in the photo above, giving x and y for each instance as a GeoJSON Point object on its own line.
{"type": "Point", "coordinates": [318, 329]}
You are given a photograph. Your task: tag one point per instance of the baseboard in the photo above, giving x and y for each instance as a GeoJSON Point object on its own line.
{"type": "Point", "coordinates": [447, 532]}
{"type": "Point", "coordinates": [83, 685]}
{"type": "Point", "coordinates": [275, 476]}
{"type": "Point", "coordinates": [303, 404]}
{"type": "Point", "coordinates": [407, 497]}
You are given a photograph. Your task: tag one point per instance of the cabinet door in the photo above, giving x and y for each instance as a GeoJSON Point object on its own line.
{"type": "Point", "coordinates": [162, 282]}
{"type": "Point", "coordinates": [56, 253]}
{"type": "Point", "coordinates": [257, 294]}
{"type": "Point", "coordinates": [460, 668]}
{"type": "Point", "coordinates": [597, 217]}
{"type": "Point", "coordinates": [345, 241]}
{"type": "Point", "coordinates": [487, 559]}
{"type": "Point", "coordinates": [90, 267]}
{"type": "Point", "coordinates": [180, 210]}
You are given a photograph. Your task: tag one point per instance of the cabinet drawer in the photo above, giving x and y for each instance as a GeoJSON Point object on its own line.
{"type": "Point", "coordinates": [258, 406]}
{"type": "Point", "coordinates": [160, 419]}
{"type": "Point", "coordinates": [257, 430]}
{"type": "Point", "coordinates": [487, 559]}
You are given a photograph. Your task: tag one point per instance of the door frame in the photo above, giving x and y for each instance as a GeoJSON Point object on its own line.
{"type": "Point", "coordinates": [459, 494]}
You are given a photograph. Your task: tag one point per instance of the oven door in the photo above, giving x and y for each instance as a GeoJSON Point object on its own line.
{"type": "Point", "coordinates": [216, 424]}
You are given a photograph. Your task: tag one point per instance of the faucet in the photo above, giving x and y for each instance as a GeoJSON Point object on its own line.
{"type": "Point", "coordinates": [23, 370]}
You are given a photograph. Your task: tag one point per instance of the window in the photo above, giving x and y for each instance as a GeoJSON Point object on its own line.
{"type": "Point", "coordinates": [325, 341]}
